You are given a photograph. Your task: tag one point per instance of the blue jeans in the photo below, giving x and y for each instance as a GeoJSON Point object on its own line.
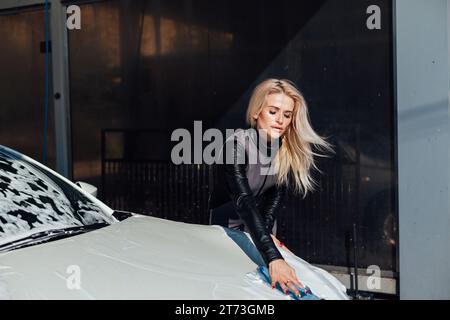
{"type": "Point", "coordinates": [246, 245]}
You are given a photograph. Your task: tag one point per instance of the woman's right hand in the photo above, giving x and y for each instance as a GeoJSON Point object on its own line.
{"type": "Point", "coordinates": [285, 275]}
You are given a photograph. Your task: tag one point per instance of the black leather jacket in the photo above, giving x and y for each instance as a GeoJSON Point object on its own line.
{"type": "Point", "coordinates": [257, 211]}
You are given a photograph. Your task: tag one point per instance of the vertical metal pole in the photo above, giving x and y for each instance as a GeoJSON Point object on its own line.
{"type": "Point", "coordinates": [355, 257]}
{"type": "Point", "coordinates": [357, 204]}
{"type": "Point", "coordinates": [61, 90]}
{"type": "Point", "coordinates": [46, 84]}
{"type": "Point", "coordinates": [103, 160]}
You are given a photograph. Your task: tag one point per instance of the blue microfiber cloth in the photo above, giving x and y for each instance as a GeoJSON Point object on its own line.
{"type": "Point", "coordinates": [305, 293]}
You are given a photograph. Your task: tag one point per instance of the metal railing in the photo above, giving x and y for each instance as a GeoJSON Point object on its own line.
{"type": "Point", "coordinates": [160, 189]}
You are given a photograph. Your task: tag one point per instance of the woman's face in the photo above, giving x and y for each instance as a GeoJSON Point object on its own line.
{"type": "Point", "coordinates": [276, 115]}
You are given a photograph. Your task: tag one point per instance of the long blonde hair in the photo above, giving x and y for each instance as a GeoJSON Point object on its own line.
{"type": "Point", "coordinates": [295, 155]}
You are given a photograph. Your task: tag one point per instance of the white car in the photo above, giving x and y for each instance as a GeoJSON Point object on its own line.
{"type": "Point", "coordinates": [57, 241]}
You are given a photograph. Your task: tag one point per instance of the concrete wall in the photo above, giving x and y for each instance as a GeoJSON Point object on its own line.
{"type": "Point", "coordinates": [422, 77]}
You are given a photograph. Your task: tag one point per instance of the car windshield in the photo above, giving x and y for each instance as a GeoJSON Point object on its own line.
{"type": "Point", "coordinates": [33, 200]}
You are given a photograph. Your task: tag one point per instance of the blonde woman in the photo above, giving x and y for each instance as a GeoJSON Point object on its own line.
{"type": "Point", "coordinates": [275, 153]}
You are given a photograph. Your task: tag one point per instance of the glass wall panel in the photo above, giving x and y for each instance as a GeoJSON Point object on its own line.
{"type": "Point", "coordinates": [22, 84]}
{"type": "Point", "coordinates": [147, 67]}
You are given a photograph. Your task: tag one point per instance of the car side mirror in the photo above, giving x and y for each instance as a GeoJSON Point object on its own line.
{"type": "Point", "coordinates": [89, 188]}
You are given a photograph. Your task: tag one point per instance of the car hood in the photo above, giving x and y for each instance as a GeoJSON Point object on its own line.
{"type": "Point", "coordinates": [139, 258]}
